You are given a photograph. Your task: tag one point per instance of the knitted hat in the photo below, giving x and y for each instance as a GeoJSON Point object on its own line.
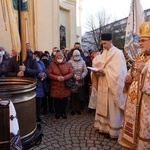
{"type": "Point", "coordinates": [76, 52]}
{"type": "Point", "coordinates": [145, 30]}
{"type": "Point", "coordinates": [106, 36]}
{"type": "Point", "coordinates": [59, 54]}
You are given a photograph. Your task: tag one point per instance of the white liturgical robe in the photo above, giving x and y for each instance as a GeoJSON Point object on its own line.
{"type": "Point", "coordinates": [110, 102]}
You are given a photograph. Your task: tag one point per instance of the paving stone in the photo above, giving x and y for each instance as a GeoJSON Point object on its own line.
{"type": "Point", "coordinates": [77, 148]}
{"type": "Point", "coordinates": [82, 144]}
{"type": "Point", "coordinates": [81, 137]}
{"type": "Point", "coordinates": [75, 141]}
{"type": "Point", "coordinates": [90, 141]}
{"type": "Point", "coordinates": [74, 133]}
{"type": "Point", "coordinates": [62, 148]}
{"type": "Point", "coordinates": [36, 148]}
{"type": "Point", "coordinates": [106, 140]}
{"type": "Point", "coordinates": [110, 144]}
{"type": "Point", "coordinates": [60, 139]}
{"type": "Point", "coordinates": [84, 148]}
{"type": "Point", "coordinates": [68, 146]}
{"type": "Point", "coordinates": [93, 148]}
{"type": "Point", "coordinates": [67, 139]}
{"type": "Point", "coordinates": [93, 138]}
{"type": "Point", "coordinates": [69, 142]}
{"type": "Point", "coordinates": [104, 143]}
{"type": "Point", "coordinates": [98, 146]}
{"type": "Point", "coordinates": [74, 138]}
{"type": "Point", "coordinates": [90, 145]}
{"type": "Point", "coordinates": [42, 146]}
{"type": "Point", "coordinates": [53, 142]}
{"type": "Point", "coordinates": [116, 146]}
{"type": "Point", "coordinates": [62, 143]}
{"type": "Point", "coordinates": [106, 147]}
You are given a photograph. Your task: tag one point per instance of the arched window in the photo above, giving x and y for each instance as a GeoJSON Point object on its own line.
{"type": "Point", "coordinates": [62, 36]}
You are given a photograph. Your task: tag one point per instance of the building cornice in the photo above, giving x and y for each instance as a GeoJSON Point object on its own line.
{"type": "Point", "coordinates": [71, 2]}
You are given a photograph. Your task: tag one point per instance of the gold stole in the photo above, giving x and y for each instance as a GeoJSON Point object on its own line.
{"type": "Point", "coordinates": [131, 118]}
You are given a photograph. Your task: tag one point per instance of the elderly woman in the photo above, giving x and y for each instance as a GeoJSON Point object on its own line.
{"type": "Point", "coordinates": [80, 71]}
{"type": "Point", "coordinates": [59, 71]}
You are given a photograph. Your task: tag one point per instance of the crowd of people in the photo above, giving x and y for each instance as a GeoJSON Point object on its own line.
{"type": "Point", "coordinates": [119, 96]}
{"type": "Point", "coordinates": [51, 70]}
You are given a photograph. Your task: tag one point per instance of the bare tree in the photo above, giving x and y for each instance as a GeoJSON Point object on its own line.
{"type": "Point", "coordinates": [100, 23]}
{"type": "Point", "coordinates": [95, 24]}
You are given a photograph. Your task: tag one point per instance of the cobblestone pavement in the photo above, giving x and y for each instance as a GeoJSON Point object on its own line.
{"type": "Point", "coordinates": [74, 133]}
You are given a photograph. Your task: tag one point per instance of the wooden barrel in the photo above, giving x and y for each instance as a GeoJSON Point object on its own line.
{"type": "Point", "coordinates": [21, 91]}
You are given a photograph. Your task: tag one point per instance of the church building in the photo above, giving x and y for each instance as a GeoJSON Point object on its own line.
{"type": "Point", "coordinates": [45, 23]}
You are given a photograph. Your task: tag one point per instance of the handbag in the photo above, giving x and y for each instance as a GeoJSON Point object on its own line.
{"type": "Point", "coordinates": [70, 82]}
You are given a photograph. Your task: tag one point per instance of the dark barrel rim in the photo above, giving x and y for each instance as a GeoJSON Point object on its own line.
{"type": "Point", "coordinates": [12, 84]}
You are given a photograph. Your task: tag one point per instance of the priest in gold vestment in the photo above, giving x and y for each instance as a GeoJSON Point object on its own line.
{"type": "Point", "coordinates": [108, 81]}
{"type": "Point", "coordinates": [135, 133]}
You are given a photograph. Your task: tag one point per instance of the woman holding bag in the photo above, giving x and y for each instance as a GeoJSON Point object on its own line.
{"type": "Point", "coordinates": [59, 71]}
{"type": "Point", "coordinates": [80, 71]}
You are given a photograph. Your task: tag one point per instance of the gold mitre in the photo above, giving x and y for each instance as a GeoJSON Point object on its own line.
{"type": "Point", "coordinates": [145, 30]}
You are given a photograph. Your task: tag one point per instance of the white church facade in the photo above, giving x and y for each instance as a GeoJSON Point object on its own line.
{"type": "Point", "coordinates": [51, 23]}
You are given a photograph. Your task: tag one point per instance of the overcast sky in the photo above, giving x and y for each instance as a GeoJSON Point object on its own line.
{"type": "Point", "coordinates": [117, 8]}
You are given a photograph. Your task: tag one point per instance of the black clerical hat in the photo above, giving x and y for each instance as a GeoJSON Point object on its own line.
{"type": "Point", "coordinates": [106, 36]}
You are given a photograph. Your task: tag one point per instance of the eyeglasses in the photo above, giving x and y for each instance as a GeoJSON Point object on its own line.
{"type": "Point", "coordinates": [143, 40]}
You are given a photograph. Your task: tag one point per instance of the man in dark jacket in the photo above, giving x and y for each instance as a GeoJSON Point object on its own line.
{"type": "Point", "coordinates": [29, 68]}
{"type": "Point", "coordinates": [77, 46]}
